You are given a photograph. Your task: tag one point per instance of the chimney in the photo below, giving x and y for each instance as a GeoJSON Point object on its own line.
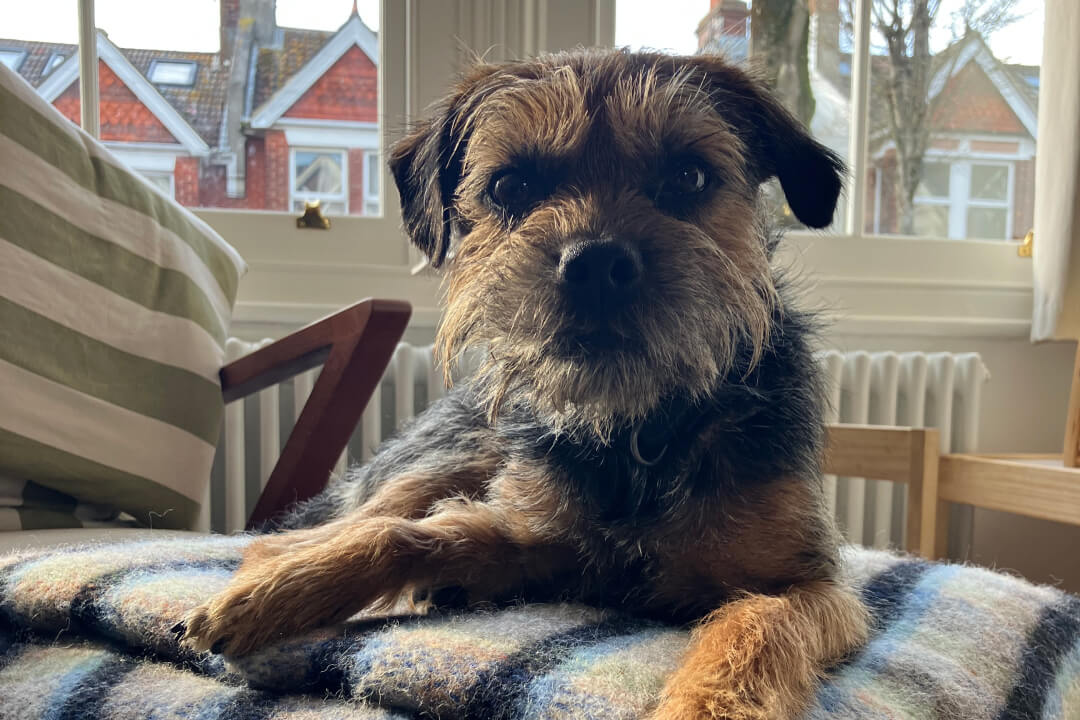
{"type": "Point", "coordinates": [258, 15]}
{"type": "Point", "coordinates": [230, 13]}
{"type": "Point", "coordinates": [264, 13]}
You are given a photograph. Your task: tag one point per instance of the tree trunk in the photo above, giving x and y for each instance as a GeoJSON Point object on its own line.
{"type": "Point", "coordinates": [779, 43]}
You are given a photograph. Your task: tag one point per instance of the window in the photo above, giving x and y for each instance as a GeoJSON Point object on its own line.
{"type": "Point", "coordinates": [172, 73]}
{"type": "Point", "coordinates": [372, 170]}
{"type": "Point", "coordinates": [310, 81]}
{"type": "Point", "coordinates": [163, 181]}
{"type": "Point", "coordinates": [12, 58]}
{"type": "Point", "coordinates": [952, 158]}
{"type": "Point", "coordinates": [964, 199]}
{"type": "Point", "coordinates": [55, 60]}
{"type": "Point", "coordinates": [320, 175]}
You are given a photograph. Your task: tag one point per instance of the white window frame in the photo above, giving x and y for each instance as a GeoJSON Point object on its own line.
{"type": "Point", "coordinates": [171, 177]}
{"type": "Point", "coordinates": [190, 65]}
{"type": "Point", "coordinates": [879, 283]}
{"type": "Point", "coordinates": [20, 57]}
{"type": "Point", "coordinates": [296, 196]}
{"type": "Point", "coordinates": [371, 196]}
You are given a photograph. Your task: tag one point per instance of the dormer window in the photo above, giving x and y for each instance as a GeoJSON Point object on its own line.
{"type": "Point", "coordinates": [55, 61]}
{"type": "Point", "coordinates": [12, 58]}
{"type": "Point", "coordinates": [171, 72]}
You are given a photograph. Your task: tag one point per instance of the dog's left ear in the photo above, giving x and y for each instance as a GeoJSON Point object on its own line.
{"type": "Point", "coordinates": [810, 174]}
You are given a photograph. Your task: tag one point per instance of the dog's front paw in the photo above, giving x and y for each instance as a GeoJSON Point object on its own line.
{"type": "Point", "coordinates": [246, 616]}
{"type": "Point", "coordinates": [274, 595]}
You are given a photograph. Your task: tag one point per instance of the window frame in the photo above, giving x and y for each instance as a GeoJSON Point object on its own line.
{"type": "Point", "coordinates": [149, 176]}
{"type": "Point", "coordinates": [371, 177]}
{"type": "Point", "coordinates": [190, 65]}
{"type": "Point", "coordinates": [323, 198]}
{"type": "Point", "coordinates": [20, 57]}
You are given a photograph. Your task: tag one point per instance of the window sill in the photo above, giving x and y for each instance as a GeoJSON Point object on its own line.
{"type": "Point", "coordinates": [865, 286]}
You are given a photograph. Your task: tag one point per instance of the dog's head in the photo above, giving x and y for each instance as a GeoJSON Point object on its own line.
{"type": "Point", "coordinates": [597, 214]}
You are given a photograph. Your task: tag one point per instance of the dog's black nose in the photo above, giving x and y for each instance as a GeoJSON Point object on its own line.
{"type": "Point", "coordinates": [600, 270]}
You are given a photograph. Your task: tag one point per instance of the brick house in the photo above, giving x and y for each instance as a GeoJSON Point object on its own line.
{"type": "Point", "coordinates": [277, 116]}
{"type": "Point", "coordinates": [979, 172]}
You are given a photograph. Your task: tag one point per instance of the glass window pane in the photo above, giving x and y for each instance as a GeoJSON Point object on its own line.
{"type": "Point", "coordinates": [813, 84]}
{"type": "Point", "coordinates": [374, 168]}
{"type": "Point", "coordinates": [990, 182]}
{"type": "Point", "coordinates": [173, 73]}
{"type": "Point", "coordinates": [974, 115]}
{"type": "Point", "coordinates": [318, 173]}
{"type": "Point", "coordinates": [935, 181]}
{"type": "Point", "coordinates": [162, 181]}
{"type": "Point", "coordinates": [12, 58]}
{"type": "Point", "coordinates": [932, 220]}
{"type": "Point", "coordinates": [987, 223]}
{"type": "Point", "coordinates": [206, 56]}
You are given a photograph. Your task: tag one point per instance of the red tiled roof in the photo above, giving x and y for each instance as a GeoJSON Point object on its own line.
{"type": "Point", "coordinates": [276, 63]}
{"type": "Point", "coordinates": [123, 116]}
{"type": "Point", "coordinates": [347, 91]}
{"type": "Point", "coordinates": [37, 57]}
{"type": "Point", "coordinates": [201, 105]}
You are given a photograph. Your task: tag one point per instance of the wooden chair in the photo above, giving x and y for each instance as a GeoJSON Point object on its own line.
{"type": "Point", "coordinates": [354, 347]}
{"type": "Point", "coordinates": [1039, 486]}
{"type": "Point", "coordinates": [900, 454]}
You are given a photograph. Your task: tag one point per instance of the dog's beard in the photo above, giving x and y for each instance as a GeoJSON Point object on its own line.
{"type": "Point", "coordinates": [694, 332]}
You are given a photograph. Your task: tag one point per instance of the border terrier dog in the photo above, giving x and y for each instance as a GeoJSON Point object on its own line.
{"type": "Point", "coordinates": [645, 431]}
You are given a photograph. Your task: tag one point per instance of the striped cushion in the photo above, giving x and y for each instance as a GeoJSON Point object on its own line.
{"type": "Point", "coordinates": [114, 307]}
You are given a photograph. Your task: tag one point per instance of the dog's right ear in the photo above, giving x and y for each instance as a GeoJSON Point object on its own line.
{"type": "Point", "coordinates": [427, 168]}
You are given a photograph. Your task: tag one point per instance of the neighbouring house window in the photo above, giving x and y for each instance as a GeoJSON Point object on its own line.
{"type": "Point", "coordinates": [172, 73]}
{"type": "Point", "coordinates": [163, 181]}
{"type": "Point", "coordinates": [964, 199]}
{"type": "Point", "coordinates": [932, 201]}
{"type": "Point", "coordinates": [320, 175]}
{"type": "Point", "coordinates": [372, 167]}
{"type": "Point", "coordinates": [12, 58]}
{"type": "Point", "coordinates": [55, 61]}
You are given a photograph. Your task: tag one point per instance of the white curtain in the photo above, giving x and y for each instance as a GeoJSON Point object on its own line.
{"type": "Point", "coordinates": [1057, 178]}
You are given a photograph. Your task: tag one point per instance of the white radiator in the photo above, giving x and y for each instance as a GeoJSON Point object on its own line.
{"type": "Point", "coordinates": [939, 390]}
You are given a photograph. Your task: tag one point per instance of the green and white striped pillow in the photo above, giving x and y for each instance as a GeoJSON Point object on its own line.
{"type": "Point", "coordinates": [114, 307]}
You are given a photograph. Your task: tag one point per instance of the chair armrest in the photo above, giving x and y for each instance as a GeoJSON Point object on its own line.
{"type": "Point", "coordinates": [900, 454]}
{"type": "Point", "coordinates": [881, 452]}
{"type": "Point", "coordinates": [354, 346]}
{"type": "Point", "coordinates": [1038, 486]}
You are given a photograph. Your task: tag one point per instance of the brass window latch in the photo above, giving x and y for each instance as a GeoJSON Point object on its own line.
{"type": "Point", "coordinates": [313, 219]}
{"type": "Point", "coordinates": [1024, 249]}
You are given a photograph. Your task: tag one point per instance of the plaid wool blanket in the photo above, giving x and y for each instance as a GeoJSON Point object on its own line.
{"type": "Point", "coordinates": [85, 633]}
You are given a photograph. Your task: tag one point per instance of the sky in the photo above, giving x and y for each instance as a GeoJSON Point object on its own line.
{"type": "Point", "coordinates": [670, 25]}
{"type": "Point", "coordinates": [193, 24]}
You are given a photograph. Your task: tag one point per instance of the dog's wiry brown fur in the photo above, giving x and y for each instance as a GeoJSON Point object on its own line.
{"type": "Point", "coordinates": [657, 452]}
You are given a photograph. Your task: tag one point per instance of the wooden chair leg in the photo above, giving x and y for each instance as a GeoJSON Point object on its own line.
{"type": "Point", "coordinates": [941, 535]}
{"type": "Point", "coordinates": [922, 510]}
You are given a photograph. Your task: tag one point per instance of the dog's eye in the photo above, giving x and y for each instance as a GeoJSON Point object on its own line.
{"type": "Point", "coordinates": [513, 191]}
{"type": "Point", "coordinates": [686, 179]}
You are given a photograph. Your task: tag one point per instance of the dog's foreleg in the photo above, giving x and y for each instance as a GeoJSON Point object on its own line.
{"type": "Point", "coordinates": [303, 579]}
{"type": "Point", "coordinates": [761, 656]}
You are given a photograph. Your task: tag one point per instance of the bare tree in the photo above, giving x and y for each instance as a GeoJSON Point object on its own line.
{"type": "Point", "coordinates": [779, 44]}
{"type": "Point", "coordinates": [902, 84]}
